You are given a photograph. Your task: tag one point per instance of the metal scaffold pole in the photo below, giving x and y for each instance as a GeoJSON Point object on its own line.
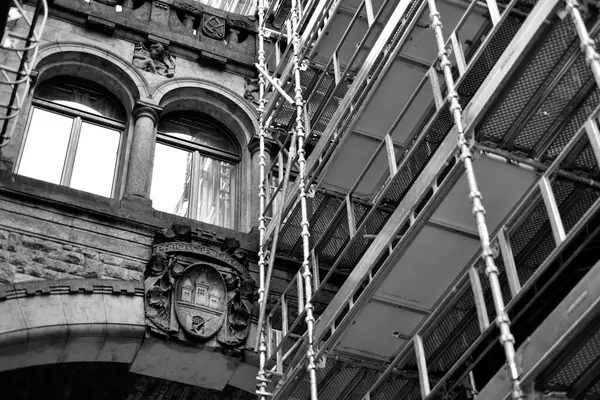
{"type": "Point", "coordinates": [301, 133]}
{"type": "Point", "coordinates": [588, 46]}
{"type": "Point", "coordinates": [506, 338]}
{"type": "Point", "coordinates": [262, 379]}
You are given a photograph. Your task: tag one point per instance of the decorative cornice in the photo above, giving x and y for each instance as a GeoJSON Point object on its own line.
{"type": "Point", "coordinates": [73, 287]}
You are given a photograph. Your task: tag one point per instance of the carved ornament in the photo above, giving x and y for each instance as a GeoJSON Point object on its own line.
{"type": "Point", "coordinates": [213, 26]}
{"type": "Point", "coordinates": [242, 24]}
{"type": "Point", "coordinates": [155, 59]}
{"type": "Point", "coordinates": [199, 293]}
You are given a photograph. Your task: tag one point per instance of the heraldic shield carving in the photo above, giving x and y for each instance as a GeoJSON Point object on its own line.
{"type": "Point", "coordinates": [199, 292]}
{"type": "Point", "coordinates": [201, 304]}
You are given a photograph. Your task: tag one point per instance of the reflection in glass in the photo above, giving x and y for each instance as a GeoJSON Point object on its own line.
{"type": "Point", "coordinates": [216, 186]}
{"type": "Point", "coordinates": [46, 146]}
{"type": "Point", "coordinates": [94, 167]}
{"type": "Point", "coordinates": [170, 180]}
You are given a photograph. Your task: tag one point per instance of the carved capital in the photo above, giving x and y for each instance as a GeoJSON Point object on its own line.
{"type": "Point", "coordinates": [147, 110]}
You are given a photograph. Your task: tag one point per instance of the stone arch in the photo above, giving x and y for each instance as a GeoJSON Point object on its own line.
{"type": "Point", "coordinates": [93, 63]}
{"type": "Point", "coordinates": [228, 108]}
{"type": "Point", "coordinates": [102, 320]}
{"type": "Point", "coordinates": [218, 101]}
{"type": "Point", "coordinates": [49, 322]}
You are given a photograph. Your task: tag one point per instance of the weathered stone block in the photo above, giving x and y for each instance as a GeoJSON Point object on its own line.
{"type": "Point", "coordinates": [39, 244]}
{"type": "Point", "coordinates": [19, 259]}
{"type": "Point", "coordinates": [111, 260]}
{"type": "Point", "coordinates": [31, 269]}
{"type": "Point", "coordinates": [7, 272]}
{"type": "Point", "coordinates": [13, 242]}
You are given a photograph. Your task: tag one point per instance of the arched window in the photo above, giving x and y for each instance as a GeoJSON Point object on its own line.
{"type": "Point", "coordinates": [73, 136]}
{"type": "Point", "coordinates": [195, 174]}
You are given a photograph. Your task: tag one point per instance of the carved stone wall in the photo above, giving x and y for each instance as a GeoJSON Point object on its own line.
{"type": "Point", "coordinates": [184, 28]}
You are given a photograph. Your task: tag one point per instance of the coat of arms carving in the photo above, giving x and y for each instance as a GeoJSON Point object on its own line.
{"type": "Point", "coordinates": [213, 26]}
{"type": "Point", "coordinates": [199, 292]}
{"type": "Point", "coordinates": [201, 302]}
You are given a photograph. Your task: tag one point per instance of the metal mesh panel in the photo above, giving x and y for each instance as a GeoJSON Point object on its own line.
{"type": "Point", "coordinates": [583, 203]}
{"type": "Point", "coordinates": [576, 121]}
{"type": "Point", "coordinates": [302, 391]}
{"type": "Point", "coordinates": [321, 221]}
{"type": "Point", "coordinates": [342, 379]}
{"type": "Point", "coordinates": [363, 387]}
{"type": "Point", "coordinates": [447, 325]}
{"type": "Point", "coordinates": [532, 241]}
{"type": "Point", "coordinates": [360, 245]}
{"type": "Point", "coordinates": [466, 336]}
{"type": "Point", "coordinates": [594, 390]}
{"type": "Point", "coordinates": [391, 389]}
{"type": "Point", "coordinates": [492, 53]}
{"type": "Point", "coordinates": [290, 233]}
{"type": "Point", "coordinates": [577, 364]}
{"type": "Point", "coordinates": [534, 75]}
{"type": "Point", "coordinates": [552, 107]}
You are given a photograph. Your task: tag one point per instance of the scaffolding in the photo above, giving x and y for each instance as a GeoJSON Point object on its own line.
{"type": "Point", "coordinates": [15, 72]}
{"type": "Point", "coordinates": [317, 107]}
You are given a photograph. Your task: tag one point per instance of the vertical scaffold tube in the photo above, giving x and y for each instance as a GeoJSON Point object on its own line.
{"type": "Point", "coordinates": [588, 46]}
{"type": "Point", "coordinates": [261, 378]}
{"type": "Point", "coordinates": [506, 338]}
{"type": "Point", "coordinates": [300, 131]}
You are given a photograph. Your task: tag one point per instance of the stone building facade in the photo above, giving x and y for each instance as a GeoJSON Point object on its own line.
{"type": "Point", "coordinates": [87, 198]}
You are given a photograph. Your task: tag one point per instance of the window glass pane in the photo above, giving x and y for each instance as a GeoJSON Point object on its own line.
{"type": "Point", "coordinates": [95, 159]}
{"type": "Point", "coordinates": [216, 192]}
{"type": "Point", "coordinates": [199, 129]}
{"type": "Point", "coordinates": [82, 95]}
{"type": "Point", "coordinates": [46, 146]}
{"type": "Point", "coordinates": [171, 180]}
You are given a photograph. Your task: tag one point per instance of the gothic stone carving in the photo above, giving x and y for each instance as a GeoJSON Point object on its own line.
{"type": "Point", "coordinates": [197, 292]}
{"type": "Point", "coordinates": [186, 6]}
{"type": "Point", "coordinates": [213, 26]}
{"type": "Point", "coordinates": [251, 91]}
{"type": "Point", "coordinates": [242, 24]}
{"type": "Point", "coordinates": [156, 60]}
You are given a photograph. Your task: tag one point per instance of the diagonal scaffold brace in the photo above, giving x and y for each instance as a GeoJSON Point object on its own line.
{"type": "Point", "coordinates": [502, 321]}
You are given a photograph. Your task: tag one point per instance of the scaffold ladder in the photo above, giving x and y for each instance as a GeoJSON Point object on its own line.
{"type": "Point", "coordinates": [295, 155]}
{"type": "Point", "coordinates": [25, 47]}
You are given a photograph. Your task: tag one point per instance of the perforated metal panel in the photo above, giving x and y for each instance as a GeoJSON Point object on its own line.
{"type": "Point", "coordinates": [576, 365]}
{"type": "Point", "coordinates": [534, 75]}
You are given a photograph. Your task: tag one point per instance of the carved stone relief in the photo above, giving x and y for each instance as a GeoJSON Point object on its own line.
{"type": "Point", "coordinates": [251, 91]}
{"type": "Point", "coordinates": [213, 26]}
{"type": "Point", "coordinates": [198, 292]}
{"type": "Point", "coordinates": [157, 59]}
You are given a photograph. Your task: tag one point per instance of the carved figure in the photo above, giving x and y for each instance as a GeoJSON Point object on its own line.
{"type": "Point", "coordinates": [156, 60]}
{"type": "Point", "coordinates": [251, 91]}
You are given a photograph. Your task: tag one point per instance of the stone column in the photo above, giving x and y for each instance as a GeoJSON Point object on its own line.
{"type": "Point", "coordinates": [254, 147]}
{"type": "Point", "coordinates": [141, 156]}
